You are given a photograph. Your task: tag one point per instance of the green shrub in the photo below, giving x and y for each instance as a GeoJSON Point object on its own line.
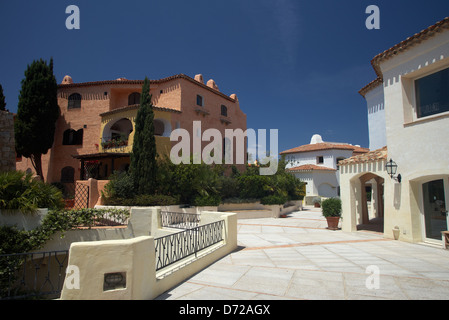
{"type": "Point", "coordinates": [120, 185]}
{"type": "Point", "coordinates": [239, 200]}
{"type": "Point", "coordinates": [20, 191]}
{"type": "Point", "coordinates": [155, 200]}
{"type": "Point", "coordinates": [201, 184]}
{"type": "Point", "coordinates": [13, 240]}
{"type": "Point", "coordinates": [207, 200]}
{"type": "Point", "coordinates": [253, 186]}
{"type": "Point", "coordinates": [331, 207]}
{"type": "Point", "coordinates": [143, 200]}
{"type": "Point", "coordinates": [274, 199]}
{"type": "Point", "coordinates": [229, 187]}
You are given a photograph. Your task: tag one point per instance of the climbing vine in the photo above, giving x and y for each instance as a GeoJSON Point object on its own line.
{"type": "Point", "coordinates": [13, 240]}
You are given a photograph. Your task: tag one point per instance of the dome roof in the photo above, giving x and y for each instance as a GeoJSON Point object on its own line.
{"type": "Point", "coordinates": [67, 80]}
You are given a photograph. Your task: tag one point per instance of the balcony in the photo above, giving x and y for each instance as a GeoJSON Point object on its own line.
{"type": "Point", "coordinates": [116, 145]}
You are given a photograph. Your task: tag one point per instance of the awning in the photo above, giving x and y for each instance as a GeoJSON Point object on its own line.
{"type": "Point", "coordinates": [89, 163]}
{"type": "Point", "coordinates": [102, 155]}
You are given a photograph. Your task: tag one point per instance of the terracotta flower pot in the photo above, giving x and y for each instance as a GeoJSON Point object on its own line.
{"type": "Point", "coordinates": [332, 223]}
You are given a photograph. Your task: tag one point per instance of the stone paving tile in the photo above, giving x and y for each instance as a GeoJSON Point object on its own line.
{"type": "Point", "coordinates": [220, 274]}
{"type": "Point", "coordinates": [218, 293]}
{"type": "Point", "coordinates": [252, 258]}
{"type": "Point", "coordinates": [180, 291]}
{"type": "Point", "coordinates": [308, 284]}
{"type": "Point", "coordinates": [265, 280]}
{"type": "Point", "coordinates": [298, 258]}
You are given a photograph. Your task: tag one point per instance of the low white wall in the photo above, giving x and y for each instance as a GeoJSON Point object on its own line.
{"type": "Point", "coordinates": [89, 262]}
{"type": "Point", "coordinates": [136, 259]}
{"type": "Point", "coordinates": [178, 272]}
{"type": "Point", "coordinates": [23, 221]}
{"type": "Point", "coordinates": [143, 221]}
{"type": "Point", "coordinates": [256, 210]}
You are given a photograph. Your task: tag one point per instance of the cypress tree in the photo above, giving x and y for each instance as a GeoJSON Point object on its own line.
{"type": "Point", "coordinates": [37, 112]}
{"type": "Point", "coordinates": [143, 165]}
{"type": "Point", "coordinates": [2, 99]}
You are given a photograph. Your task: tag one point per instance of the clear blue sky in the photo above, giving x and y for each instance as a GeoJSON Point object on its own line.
{"type": "Point", "coordinates": [296, 66]}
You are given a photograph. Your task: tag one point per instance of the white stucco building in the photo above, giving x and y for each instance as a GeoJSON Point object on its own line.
{"type": "Point", "coordinates": [412, 93]}
{"type": "Point", "coordinates": [376, 117]}
{"type": "Point", "coordinates": [316, 164]}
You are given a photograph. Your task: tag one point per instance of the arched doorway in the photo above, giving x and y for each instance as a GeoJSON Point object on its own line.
{"type": "Point", "coordinates": [371, 203]}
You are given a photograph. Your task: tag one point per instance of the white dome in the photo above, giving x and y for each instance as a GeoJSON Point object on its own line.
{"type": "Point", "coordinates": [316, 138]}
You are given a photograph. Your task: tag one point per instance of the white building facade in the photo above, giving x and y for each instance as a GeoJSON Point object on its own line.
{"type": "Point", "coordinates": [376, 118]}
{"type": "Point", "coordinates": [413, 81]}
{"type": "Point", "coordinates": [316, 164]}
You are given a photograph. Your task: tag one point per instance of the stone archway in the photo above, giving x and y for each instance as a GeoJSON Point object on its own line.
{"type": "Point", "coordinates": [372, 208]}
{"type": "Point", "coordinates": [118, 130]}
{"type": "Point", "coordinates": [355, 174]}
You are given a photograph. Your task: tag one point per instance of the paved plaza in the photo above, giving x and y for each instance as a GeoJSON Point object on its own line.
{"type": "Point", "coordinates": [298, 258]}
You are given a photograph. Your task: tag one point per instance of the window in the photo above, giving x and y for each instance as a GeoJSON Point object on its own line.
{"type": "Point", "coordinates": [432, 94]}
{"type": "Point", "coordinates": [74, 101]}
{"type": "Point", "coordinates": [134, 98]}
{"type": "Point", "coordinates": [224, 111]}
{"type": "Point", "coordinates": [68, 174]}
{"type": "Point", "coordinates": [159, 128]}
{"type": "Point", "coordinates": [338, 160]}
{"type": "Point", "coordinates": [72, 137]}
{"type": "Point", "coordinates": [319, 160]}
{"type": "Point", "coordinates": [199, 100]}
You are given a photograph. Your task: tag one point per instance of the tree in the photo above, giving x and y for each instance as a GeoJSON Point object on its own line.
{"type": "Point", "coordinates": [2, 99]}
{"type": "Point", "coordinates": [143, 167]}
{"type": "Point", "coordinates": [37, 112]}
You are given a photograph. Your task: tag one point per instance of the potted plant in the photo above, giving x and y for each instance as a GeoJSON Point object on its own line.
{"type": "Point", "coordinates": [332, 212]}
{"type": "Point", "coordinates": [317, 202]}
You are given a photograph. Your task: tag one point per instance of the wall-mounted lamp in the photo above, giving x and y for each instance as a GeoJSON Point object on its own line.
{"type": "Point", "coordinates": [391, 168]}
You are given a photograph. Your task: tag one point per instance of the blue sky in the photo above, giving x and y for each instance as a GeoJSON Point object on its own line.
{"type": "Point", "coordinates": [296, 66]}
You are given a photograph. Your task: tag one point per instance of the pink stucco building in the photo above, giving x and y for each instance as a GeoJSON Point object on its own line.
{"type": "Point", "coordinates": [95, 130]}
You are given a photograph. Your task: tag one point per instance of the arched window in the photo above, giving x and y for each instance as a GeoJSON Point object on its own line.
{"type": "Point", "coordinates": [68, 174]}
{"type": "Point", "coordinates": [72, 137]}
{"type": "Point", "coordinates": [224, 111]}
{"type": "Point", "coordinates": [74, 101]}
{"type": "Point", "coordinates": [134, 98]}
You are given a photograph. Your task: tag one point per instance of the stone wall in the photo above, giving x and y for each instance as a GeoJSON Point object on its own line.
{"type": "Point", "coordinates": [7, 149]}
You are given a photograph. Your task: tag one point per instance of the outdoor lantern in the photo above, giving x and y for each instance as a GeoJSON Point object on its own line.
{"type": "Point", "coordinates": [391, 168]}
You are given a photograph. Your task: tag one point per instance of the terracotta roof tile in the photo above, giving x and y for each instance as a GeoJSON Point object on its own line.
{"type": "Point", "coordinates": [376, 155]}
{"type": "Point", "coordinates": [310, 167]}
{"type": "Point", "coordinates": [373, 84]}
{"type": "Point", "coordinates": [325, 146]}
{"type": "Point", "coordinates": [409, 42]}
{"type": "Point", "coordinates": [140, 82]}
{"type": "Point", "coordinates": [401, 47]}
{"type": "Point", "coordinates": [136, 107]}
